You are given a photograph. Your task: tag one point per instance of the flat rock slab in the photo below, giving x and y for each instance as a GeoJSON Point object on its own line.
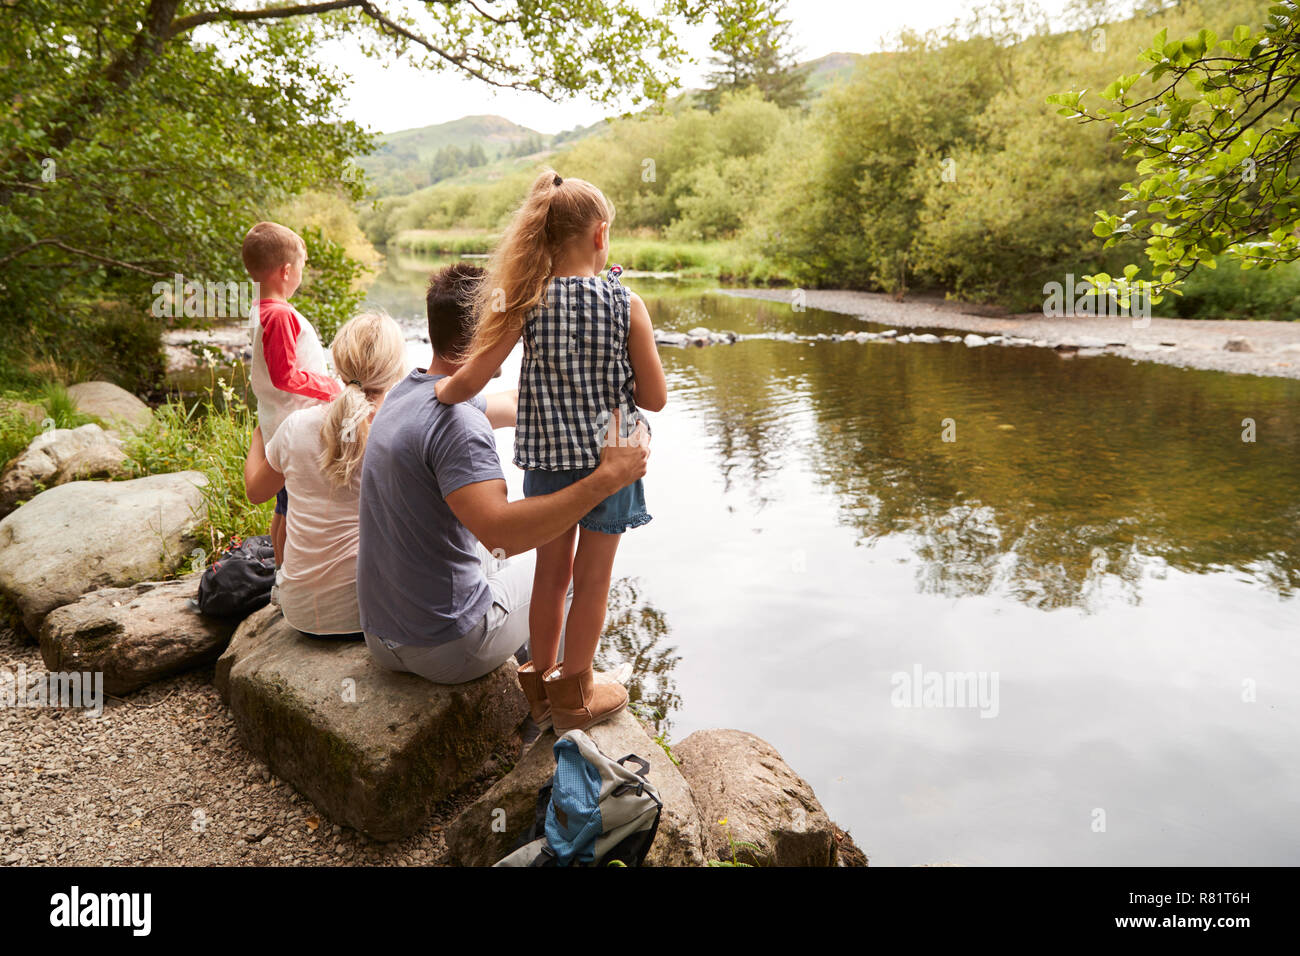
{"type": "Point", "coordinates": [741, 778]}
{"type": "Point", "coordinates": [110, 403]}
{"type": "Point", "coordinates": [85, 535]}
{"type": "Point", "coordinates": [372, 749]}
{"type": "Point", "coordinates": [57, 457]}
{"type": "Point", "coordinates": [134, 635]}
{"type": "Point", "coordinates": [487, 830]}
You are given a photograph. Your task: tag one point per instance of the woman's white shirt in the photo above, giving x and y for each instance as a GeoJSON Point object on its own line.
{"type": "Point", "coordinates": [317, 584]}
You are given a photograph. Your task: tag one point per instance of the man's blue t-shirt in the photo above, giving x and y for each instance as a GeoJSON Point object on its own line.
{"type": "Point", "coordinates": [419, 578]}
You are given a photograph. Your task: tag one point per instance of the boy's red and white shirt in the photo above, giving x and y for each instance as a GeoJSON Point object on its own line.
{"type": "Point", "coordinates": [288, 370]}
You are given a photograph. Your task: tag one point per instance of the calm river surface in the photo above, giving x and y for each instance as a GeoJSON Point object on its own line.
{"type": "Point", "coordinates": [1098, 544]}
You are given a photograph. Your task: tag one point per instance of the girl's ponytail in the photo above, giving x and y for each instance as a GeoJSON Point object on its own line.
{"type": "Point", "coordinates": [554, 211]}
{"type": "Point", "coordinates": [370, 354]}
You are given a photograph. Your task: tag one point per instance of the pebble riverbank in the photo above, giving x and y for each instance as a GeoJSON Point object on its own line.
{"type": "Point", "coordinates": [1226, 345]}
{"type": "Point", "coordinates": [162, 779]}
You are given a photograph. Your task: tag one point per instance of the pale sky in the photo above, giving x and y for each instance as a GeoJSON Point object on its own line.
{"type": "Point", "coordinates": [392, 97]}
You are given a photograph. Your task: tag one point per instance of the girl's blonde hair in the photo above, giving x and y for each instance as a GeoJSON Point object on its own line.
{"type": "Point", "coordinates": [370, 356]}
{"type": "Point", "coordinates": [554, 212]}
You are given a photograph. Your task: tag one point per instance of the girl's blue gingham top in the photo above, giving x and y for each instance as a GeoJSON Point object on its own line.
{"type": "Point", "coordinates": [576, 369]}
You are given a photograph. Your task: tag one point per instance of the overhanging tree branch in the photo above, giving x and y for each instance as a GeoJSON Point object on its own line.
{"type": "Point", "coordinates": [60, 244]}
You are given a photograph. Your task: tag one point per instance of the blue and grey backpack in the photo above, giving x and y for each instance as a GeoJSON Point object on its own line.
{"type": "Point", "coordinates": [595, 811]}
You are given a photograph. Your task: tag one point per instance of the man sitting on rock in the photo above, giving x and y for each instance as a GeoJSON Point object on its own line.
{"type": "Point", "coordinates": [437, 596]}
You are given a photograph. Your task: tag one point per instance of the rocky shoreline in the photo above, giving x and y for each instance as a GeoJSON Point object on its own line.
{"type": "Point", "coordinates": [1225, 345]}
{"type": "Point", "coordinates": [229, 742]}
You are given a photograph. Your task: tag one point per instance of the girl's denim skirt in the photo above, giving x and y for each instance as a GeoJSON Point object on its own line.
{"type": "Point", "coordinates": [621, 511]}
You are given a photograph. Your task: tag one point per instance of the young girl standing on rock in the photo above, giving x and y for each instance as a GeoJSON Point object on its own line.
{"type": "Point", "coordinates": [589, 363]}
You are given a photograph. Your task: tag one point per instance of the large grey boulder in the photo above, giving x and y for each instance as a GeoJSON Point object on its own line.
{"type": "Point", "coordinates": [134, 635]}
{"type": "Point", "coordinates": [372, 749]}
{"type": "Point", "coordinates": [487, 830]}
{"type": "Point", "coordinates": [740, 778]}
{"type": "Point", "coordinates": [93, 534]}
{"type": "Point", "coordinates": [57, 457]}
{"type": "Point", "coordinates": [110, 403]}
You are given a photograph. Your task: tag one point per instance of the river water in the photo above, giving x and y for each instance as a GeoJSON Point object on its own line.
{"type": "Point", "coordinates": [1097, 555]}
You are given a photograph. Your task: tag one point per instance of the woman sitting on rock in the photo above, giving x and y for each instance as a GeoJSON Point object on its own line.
{"type": "Point", "coordinates": [316, 454]}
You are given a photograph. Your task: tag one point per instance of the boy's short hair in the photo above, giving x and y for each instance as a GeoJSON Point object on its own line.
{"type": "Point", "coordinates": [449, 304]}
{"type": "Point", "coordinates": [270, 245]}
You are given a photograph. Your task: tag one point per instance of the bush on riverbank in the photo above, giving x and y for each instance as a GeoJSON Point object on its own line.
{"type": "Point", "coordinates": [105, 343]}
{"type": "Point", "coordinates": [211, 436]}
{"type": "Point", "coordinates": [1230, 292]}
{"type": "Point", "coordinates": [724, 260]}
{"type": "Point", "coordinates": [439, 242]}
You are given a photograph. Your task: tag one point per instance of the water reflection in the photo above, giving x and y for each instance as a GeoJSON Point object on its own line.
{"type": "Point", "coordinates": [636, 632]}
{"type": "Point", "coordinates": [1059, 473]}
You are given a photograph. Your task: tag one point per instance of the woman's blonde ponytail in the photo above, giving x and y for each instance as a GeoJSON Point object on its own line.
{"type": "Point", "coordinates": [370, 355]}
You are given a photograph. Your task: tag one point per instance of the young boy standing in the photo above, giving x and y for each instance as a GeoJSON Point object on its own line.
{"type": "Point", "coordinates": [288, 370]}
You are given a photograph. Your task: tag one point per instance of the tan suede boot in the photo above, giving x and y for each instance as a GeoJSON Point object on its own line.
{"type": "Point", "coordinates": [578, 702]}
{"type": "Point", "coordinates": [535, 692]}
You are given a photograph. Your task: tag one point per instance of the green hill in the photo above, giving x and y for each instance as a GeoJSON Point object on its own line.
{"type": "Point", "coordinates": [407, 161]}
{"type": "Point", "coordinates": [404, 161]}
{"type": "Point", "coordinates": [824, 72]}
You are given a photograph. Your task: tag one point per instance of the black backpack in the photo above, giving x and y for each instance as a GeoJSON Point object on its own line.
{"type": "Point", "coordinates": [239, 582]}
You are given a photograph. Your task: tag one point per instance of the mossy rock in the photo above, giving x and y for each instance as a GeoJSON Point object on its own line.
{"type": "Point", "coordinates": [372, 749]}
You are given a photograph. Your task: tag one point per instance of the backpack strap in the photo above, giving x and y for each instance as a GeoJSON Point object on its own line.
{"type": "Point", "coordinates": [643, 768]}
{"type": "Point", "coordinates": [643, 764]}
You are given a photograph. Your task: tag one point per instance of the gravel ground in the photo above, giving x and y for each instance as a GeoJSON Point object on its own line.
{"type": "Point", "coordinates": [161, 779]}
{"type": "Point", "coordinates": [1187, 343]}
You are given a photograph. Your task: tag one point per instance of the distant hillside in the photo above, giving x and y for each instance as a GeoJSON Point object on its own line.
{"type": "Point", "coordinates": [408, 160]}
{"type": "Point", "coordinates": [487, 130]}
{"type": "Point", "coordinates": [830, 69]}
{"type": "Point", "coordinates": [404, 161]}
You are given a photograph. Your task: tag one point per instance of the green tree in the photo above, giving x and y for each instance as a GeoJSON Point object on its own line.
{"type": "Point", "coordinates": [447, 162]}
{"type": "Point", "coordinates": [1211, 124]}
{"type": "Point", "coordinates": [142, 137]}
{"type": "Point", "coordinates": [728, 161]}
{"type": "Point", "coordinates": [752, 50]}
{"type": "Point", "coordinates": [527, 146]}
{"type": "Point", "coordinates": [846, 209]}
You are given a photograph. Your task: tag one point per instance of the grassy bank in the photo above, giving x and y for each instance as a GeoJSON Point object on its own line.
{"type": "Point", "coordinates": [211, 436]}
{"type": "Point", "coordinates": [25, 413]}
{"type": "Point", "coordinates": [723, 260]}
{"type": "Point", "coordinates": [438, 242]}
